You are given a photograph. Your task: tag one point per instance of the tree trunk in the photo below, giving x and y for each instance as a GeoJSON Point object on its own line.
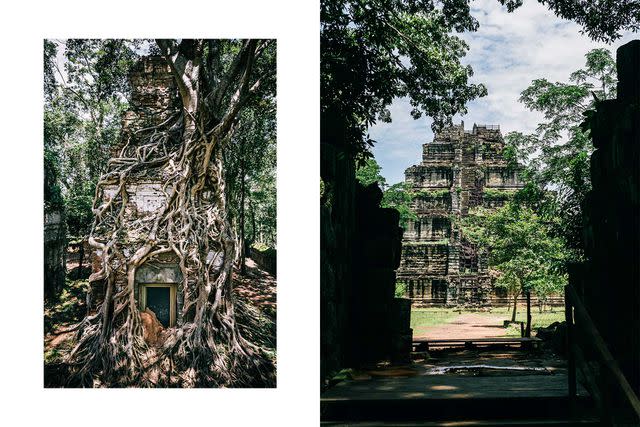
{"type": "Point", "coordinates": [515, 305]}
{"type": "Point", "coordinates": [253, 221]}
{"type": "Point", "coordinates": [528, 332]}
{"type": "Point", "coordinates": [243, 267]}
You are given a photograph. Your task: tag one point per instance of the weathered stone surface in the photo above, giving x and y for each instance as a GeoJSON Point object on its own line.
{"type": "Point", "coordinates": [438, 265]}
{"type": "Point", "coordinates": [55, 248]}
{"type": "Point", "coordinates": [610, 278]}
{"type": "Point", "coordinates": [154, 98]}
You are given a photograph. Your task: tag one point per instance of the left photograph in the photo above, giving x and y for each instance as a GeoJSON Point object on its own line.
{"type": "Point", "coordinates": [159, 213]}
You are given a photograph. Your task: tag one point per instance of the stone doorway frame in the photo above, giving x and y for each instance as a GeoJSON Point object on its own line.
{"type": "Point", "coordinates": [173, 304]}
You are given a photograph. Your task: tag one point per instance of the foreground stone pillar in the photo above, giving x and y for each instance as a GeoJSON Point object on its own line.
{"type": "Point", "coordinates": [612, 224]}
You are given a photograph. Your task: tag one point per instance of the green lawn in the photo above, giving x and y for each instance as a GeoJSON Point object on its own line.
{"type": "Point", "coordinates": [424, 318]}
{"type": "Point", "coordinates": [538, 320]}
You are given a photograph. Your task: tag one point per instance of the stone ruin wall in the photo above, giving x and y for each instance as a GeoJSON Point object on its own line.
{"type": "Point", "coordinates": [154, 99]}
{"type": "Point", "coordinates": [609, 279]}
{"type": "Point", "coordinates": [55, 247]}
{"type": "Point", "coordinates": [439, 266]}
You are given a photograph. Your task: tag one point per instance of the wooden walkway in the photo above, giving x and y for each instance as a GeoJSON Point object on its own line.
{"type": "Point", "coordinates": [511, 384]}
{"type": "Point", "coordinates": [424, 344]}
{"type": "Point", "coordinates": [451, 387]}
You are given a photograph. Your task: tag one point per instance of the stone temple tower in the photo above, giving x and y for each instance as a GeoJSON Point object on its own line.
{"type": "Point", "coordinates": [460, 169]}
{"type": "Point", "coordinates": [158, 282]}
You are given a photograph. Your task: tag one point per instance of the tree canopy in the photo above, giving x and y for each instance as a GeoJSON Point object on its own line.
{"type": "Point", "coordinates": [557, 154]}
{"type": "Point", "coordinates": [375, 51]}
{"type": "Point", "coordinates": [601, 20]}
{"type": "Point", "coordinates": [523, 252]}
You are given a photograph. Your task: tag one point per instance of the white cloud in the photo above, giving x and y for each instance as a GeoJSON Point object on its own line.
{"type": "Point", "coordinates": [508, 51]}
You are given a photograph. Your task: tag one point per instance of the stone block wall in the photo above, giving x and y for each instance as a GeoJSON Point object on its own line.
{"type": "Point", "coordinates": [267, 259]}
{"type": "Point", "coordinates": [55, 248]}
{"type": "Point", "coordinates": [376, 257]}
{"type": "Point", "coordinates": [611, 276]}
{"type": "Point", "coordinates": [154, 99]}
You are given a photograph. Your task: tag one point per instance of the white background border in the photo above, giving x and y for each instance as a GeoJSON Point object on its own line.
{"type": "Point", "coordinates": [24, 401]}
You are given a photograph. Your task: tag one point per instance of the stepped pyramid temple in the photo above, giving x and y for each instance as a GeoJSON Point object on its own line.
{"type": "Point", "coordinates": [460, 169]}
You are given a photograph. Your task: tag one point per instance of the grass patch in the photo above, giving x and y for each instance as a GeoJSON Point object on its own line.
{"type": "Point", "coordinates": [423, 318]}
{"type": "Point", "coordinates": [538, 320]}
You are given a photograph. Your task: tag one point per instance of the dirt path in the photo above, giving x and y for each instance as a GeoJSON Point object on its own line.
{"type": "Point", "coordinates": [468, 325]}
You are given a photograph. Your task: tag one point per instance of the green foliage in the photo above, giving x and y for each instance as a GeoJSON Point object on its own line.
{"type": "Point", "coordinates": [523, 252]}
{"type": "Point", "coordinates": [401, 290]}
{"type": "Point", "coordinates": [398, 197]}
{"type": "Point", "coordinates": [556, 156]}
{"type": "Point", "coordinates": [494, 194]}
{"type": "Point", "coordinates": [601, 20]}
{"type": "Point", "coordinates": [250, 164]}
{"type": "Point", "coordinates": [84, 99]}
{"type": "Point", "coordinates": [427, 194]}
{"type": "Point", "coordinates": [373, 51]}
{"type": "Point", "coordinates": [53, 200]}
{"type": "Point", "coordinates": [369, 172]}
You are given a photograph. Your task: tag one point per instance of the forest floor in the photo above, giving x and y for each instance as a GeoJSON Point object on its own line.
{"type": "Point", "coordinates": [440, 323]}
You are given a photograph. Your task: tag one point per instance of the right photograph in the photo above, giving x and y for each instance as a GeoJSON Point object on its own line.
{"type": "Point", "coordinates": [480, 212]}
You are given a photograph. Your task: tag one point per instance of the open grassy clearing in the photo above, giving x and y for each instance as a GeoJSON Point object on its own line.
{"type": "Point", "coordinates": [422, 319]}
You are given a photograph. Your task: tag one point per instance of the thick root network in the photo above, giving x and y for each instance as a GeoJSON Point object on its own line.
{"type": "Point", "coordinates": [188, 358]}
{"type": "Point", "coordinates": [213, 347]}
{"type": "Point", "coordinates": [214, 354]}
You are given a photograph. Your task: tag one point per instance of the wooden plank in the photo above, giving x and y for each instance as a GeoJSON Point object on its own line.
{"type": "Point", "coordinates": [477, 340]}
{"type": "Point", "coordinates": [606, 358]}
{"type": "Point", "coordinates": [451, 387]}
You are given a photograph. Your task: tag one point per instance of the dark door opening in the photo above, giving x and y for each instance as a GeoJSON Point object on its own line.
{"type": "Point", "coordinates": [159, 301]}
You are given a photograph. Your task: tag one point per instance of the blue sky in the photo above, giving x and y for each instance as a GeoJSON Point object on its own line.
{"type": "Point", "coordinates": [508, 51]}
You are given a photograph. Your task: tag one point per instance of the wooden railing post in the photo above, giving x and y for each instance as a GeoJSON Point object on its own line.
{"type": "Point", "coordinates": [571, 358]}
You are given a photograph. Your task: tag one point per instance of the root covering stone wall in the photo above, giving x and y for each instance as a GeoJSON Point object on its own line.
{"type": "Point", "coordinates": [438, 265]}
{"type": "Point", "coordinates": [154, 99]}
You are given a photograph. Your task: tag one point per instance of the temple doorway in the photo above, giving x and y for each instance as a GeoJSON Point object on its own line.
{"type": "Point", "coordinates": [161, 299]}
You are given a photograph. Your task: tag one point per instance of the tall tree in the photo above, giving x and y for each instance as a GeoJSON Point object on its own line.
{"type": "Point", "coordinates": [375, 51]}
{"type": "Point", "coordinates": [557, 154]}
{"type": "Point", "coordinates": [86, 95]}
{"type": "Point", "coordinates": [251, 172]}
{"type": "Point", "coordinates": [216, 80]}
{"type": "Point", "coordinates": [523, 253]}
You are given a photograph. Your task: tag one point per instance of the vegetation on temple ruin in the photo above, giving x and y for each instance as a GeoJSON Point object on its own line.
{"type": "Point", "coordinates": [524, 255]}
{"type": "Point", "coordinates": [431, 194]}
{"type": "Point", "coordinates": [396, 196]}
{"type": "Point", "coordinates": [216, 158]}
{"type": "Point", "coordinates": [494, 194]}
